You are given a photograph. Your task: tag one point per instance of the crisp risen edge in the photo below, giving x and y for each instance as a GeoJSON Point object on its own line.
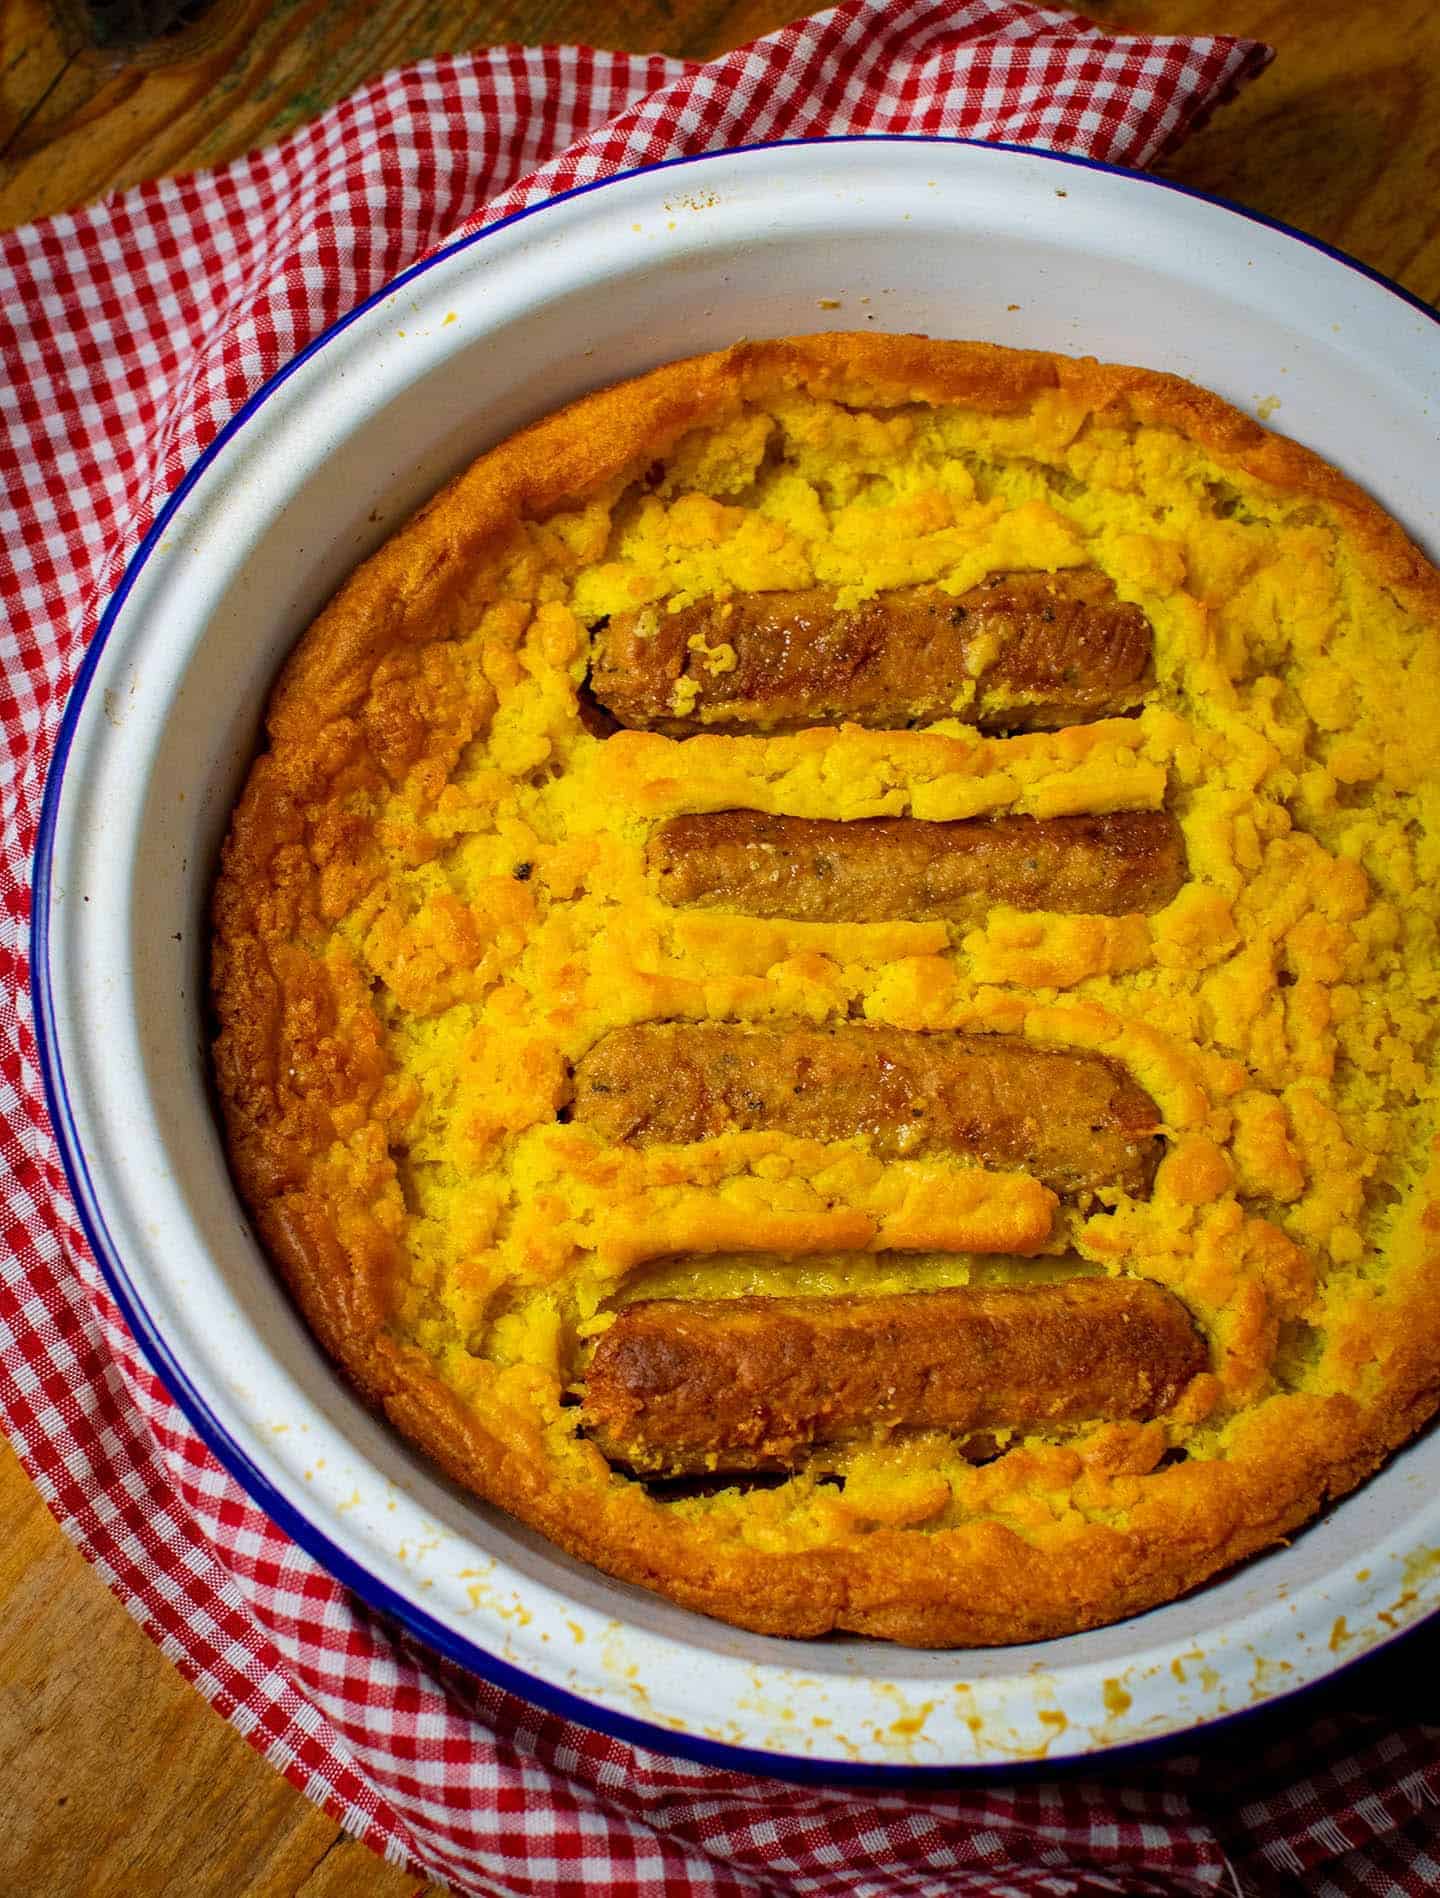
{"type": "Point", "coordinates": [979, 1583]}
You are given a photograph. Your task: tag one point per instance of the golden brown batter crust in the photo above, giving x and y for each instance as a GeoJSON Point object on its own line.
{"type": "Point", "coordinates": [433, 872]}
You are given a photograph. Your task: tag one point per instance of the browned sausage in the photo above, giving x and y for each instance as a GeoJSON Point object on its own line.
{"type": "Point", "coordinates": [685, 1386]}
{"type": "Point", "coordinates": [1074, 1121]}
{"type": "Point", "coordinates": [874, 868]}
{"type": "Point", "coordinates": [1019, 652]}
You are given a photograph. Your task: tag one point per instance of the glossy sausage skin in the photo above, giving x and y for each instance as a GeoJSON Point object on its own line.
{"type": "Point", "coordinates": [684, 1387]}
{"type": "Point", "coordinates": [1075, 1121]}
{"type": "Point", "coordinates": [876, 868]}
{"type": "Point", "coordinates": [1019, 652]}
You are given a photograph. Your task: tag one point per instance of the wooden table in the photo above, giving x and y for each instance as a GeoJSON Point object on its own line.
{"type": "Point", "coordinates": [115, 1778]}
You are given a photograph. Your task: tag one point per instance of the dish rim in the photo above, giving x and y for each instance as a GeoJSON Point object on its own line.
{"type": "Point", "coordinates": [230, 1453]}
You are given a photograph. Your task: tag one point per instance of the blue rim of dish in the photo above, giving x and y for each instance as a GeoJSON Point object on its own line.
{"type": "Point", "coordinates": [343, 1567]}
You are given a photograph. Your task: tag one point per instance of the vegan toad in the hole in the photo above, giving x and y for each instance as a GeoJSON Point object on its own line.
{"type": "Point", "coordinates": [826, 986]}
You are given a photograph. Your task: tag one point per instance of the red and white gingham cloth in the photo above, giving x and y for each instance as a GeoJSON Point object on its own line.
{"type": "Point", "coordinates": [132, 331]}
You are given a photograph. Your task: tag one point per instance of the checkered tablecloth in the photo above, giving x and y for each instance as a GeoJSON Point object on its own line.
{"type": "Point", "coordinates": [132, 330]}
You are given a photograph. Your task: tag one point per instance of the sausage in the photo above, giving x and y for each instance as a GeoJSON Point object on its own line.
{"type": "Point", "coordinates": [1019, 652]}
{"type": "Point", "coordinates": [875, 868]}
{"type": "Point", "coordinates": [1076, 1121]}
{"type": "Point", "coordinates": [687, 1386]}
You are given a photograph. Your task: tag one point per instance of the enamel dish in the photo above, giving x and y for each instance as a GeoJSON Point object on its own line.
{"type": "Point", "coordinates": [324, 463]}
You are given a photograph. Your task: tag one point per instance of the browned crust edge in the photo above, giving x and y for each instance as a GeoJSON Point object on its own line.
{"type": "Point", "coordinates": [979, 1585]}
{"type": "Point", "coordinates": [407, 586]}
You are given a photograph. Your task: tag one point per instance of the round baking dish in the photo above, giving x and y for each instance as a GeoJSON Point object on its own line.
{"type": "Point", "coordinates": [323, 463]}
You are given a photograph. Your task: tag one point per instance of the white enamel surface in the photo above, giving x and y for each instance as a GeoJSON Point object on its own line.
{"type": "Point", "coordinates": [896, 236]}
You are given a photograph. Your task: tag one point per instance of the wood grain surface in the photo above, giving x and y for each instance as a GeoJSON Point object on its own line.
{"type": "Point", "coordinates": [1341, 137]}
{"type": "Point", "coordinates": [115, 1777]}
